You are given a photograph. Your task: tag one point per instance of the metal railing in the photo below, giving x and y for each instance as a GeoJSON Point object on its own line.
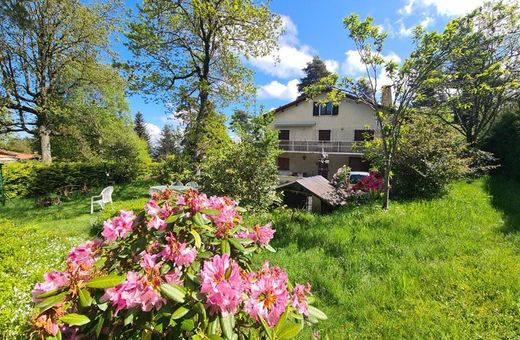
{"type": "Point", "coordinates": [319, 146]}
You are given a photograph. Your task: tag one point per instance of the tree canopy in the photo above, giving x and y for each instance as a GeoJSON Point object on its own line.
{"type": "Point", "coordinates": [314, 71]}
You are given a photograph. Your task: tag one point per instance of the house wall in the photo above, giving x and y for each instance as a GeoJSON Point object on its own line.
{"type": "Point", "coordinates": [309, 166]}
{"type": "Point", "coordinates": [351, 116]}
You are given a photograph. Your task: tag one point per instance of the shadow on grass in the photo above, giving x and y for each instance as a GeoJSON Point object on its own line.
{"type": "Point", "coordinates": [505, 193]}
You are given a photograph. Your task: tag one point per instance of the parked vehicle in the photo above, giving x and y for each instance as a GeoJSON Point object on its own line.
{"type": "Point", "coordinates": [356, 176]}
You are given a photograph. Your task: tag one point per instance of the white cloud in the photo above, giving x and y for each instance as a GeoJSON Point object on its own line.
{"type": "Point", "coordinates": [408, 31]}
{"type": "Point", "coordinates": [442, 7]}
{"type": "Point", "coordinates": [332, 65]}
{"type": "Point", "coordinates": [287, 62]}
{"type": "Point", "coordinates": [290, 36]}
{"type": "Point", "coordinates": [277, 90]}
{"type": "Point", "coordinates": [353, 65]}
{"type": "Point", "coordinates": [154, 132]}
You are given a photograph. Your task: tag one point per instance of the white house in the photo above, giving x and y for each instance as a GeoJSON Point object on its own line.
{"type": "Point", "coordinates": [308, 130]}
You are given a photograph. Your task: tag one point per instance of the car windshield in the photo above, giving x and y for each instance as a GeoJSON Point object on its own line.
{"type": "Point", "coordinates": [356, 178]}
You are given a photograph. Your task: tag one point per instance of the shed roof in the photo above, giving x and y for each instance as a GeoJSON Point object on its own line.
{"type": "Point", "coordinates": [318, 186]}
{"type": "Point", "coordinates": [16, 155]}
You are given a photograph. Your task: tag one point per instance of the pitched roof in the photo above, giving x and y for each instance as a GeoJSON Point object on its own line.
{"type": "Point", "coordinates": [17, 155]}
{"type": "Point", "coordinates": [318, 186]}
{"type": "Point", "coordinates": [302, 98]}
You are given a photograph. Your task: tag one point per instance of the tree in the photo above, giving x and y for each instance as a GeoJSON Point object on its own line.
{"type": "Point", "coordinates": [140, 127]}
{"type": "Point", "coordinates": [168, 143]}
{"type": "Point", "coordinates": [191, 48]}
{"type": "Point", "coordinates": [314, 71]}
{"type": "Point", "coordinates": [40, 41]}
{"type": "Point", "coordinates": [406, 82]}
{"type": "Point", "coordinates": [480, 74]}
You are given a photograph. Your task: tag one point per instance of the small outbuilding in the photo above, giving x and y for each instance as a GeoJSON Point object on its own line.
{"type": "Point", "coordinates": [314, 194]}
{"type": "Point", "coordinates": [7, 156]}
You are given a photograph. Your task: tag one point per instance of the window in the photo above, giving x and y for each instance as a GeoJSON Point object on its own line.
{"type": "Point", "coordinates": [324, 135]}
{"type": "Point", "coordinates": [325, 109]}
{"type": "Point", "coordinates": [363, 135]}
{"type": "Point", "coordinates": [283, 163]}
{"type": "Point", "coordinates": [283, 134]}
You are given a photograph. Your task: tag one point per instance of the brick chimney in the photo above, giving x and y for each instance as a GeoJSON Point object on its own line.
{"type": "Point", "coordinates": [386, 95]}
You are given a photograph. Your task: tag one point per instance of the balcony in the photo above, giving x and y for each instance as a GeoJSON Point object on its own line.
{"type": "Point", "coordinates": [319, 146]}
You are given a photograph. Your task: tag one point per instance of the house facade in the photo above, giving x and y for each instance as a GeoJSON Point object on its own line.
{"type": "Point", "coordinates": [319, 139]}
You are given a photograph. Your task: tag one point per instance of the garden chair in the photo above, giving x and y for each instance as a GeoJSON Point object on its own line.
{"type": "Point", "coordinates": [193, 185]}
{"type": "Point", "coordinates": [102, 199]}
{"type": "Point", "coordinates": [177, 184]}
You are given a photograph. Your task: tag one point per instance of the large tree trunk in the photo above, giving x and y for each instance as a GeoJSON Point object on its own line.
{"type": "Point", "coordinates": [201, 116]}
{"type": "Point", "coordinates": [45, 144]}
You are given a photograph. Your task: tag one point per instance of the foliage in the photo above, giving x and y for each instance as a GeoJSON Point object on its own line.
{"type": "Point", "coordinates": [39, 179]}
{"type": "Point", "coordinates": [140, 127]}
{"type": "Point", "coordinates": [480, 72]}
{"type": "Point", "coordinates": [196, 47]}
{"type": "Point", "coordinates": [14, 143]}
{"type": "Point", "coordinates": [43, 43]}
{"type": "Point", "coordinates": [181, 268]}
{"type": "Point", "coordinates": [406, 80]}
{"type": "Point", "coordinates": [168, 143]}
{"type": "Point", "coordinates": [431, 156]}
{"type": "Point", "coordinates": [246, 170]}
{"type": "Point", "coordinates": [314, 71]}
{"type": "Point", "coordinates": [504, 141]}
{"type": "Point", "coordinates": [171, 169]}
{"type": "Point", "coordinates": [340, 180]}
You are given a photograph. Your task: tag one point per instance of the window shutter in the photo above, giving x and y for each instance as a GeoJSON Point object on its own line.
{"type": "Point", "coordinates": [315, 109]}
{"type": "Point", "coordinates": [335, 110]}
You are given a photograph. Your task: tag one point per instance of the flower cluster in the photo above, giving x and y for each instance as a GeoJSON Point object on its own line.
{"type": "Point", "coordinates": [373, 182]}
{"type": "Point", "coordinates": [185, 252]}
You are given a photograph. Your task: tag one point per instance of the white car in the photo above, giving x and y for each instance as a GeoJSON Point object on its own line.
{"type": "Point", "coordinates": [356, 176]}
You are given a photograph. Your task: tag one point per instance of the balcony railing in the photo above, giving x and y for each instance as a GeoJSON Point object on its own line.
{"type": "Point", "coordinates": [319, 146]}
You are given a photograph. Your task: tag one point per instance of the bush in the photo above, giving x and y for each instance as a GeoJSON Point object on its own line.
{"type": "Point", "coordinates": [38, 179]}
{"type": "Point", "coordinates": [430, 157]}
{"type": "Point", "coordinates": [171, 169]}
{"type": "Point", "coordinates": [246, 170]}
{"type": "Point", "coordinates": [504, 142]}
{"type": "Point", "coordinates": [179, 269]}
{"type": "Point", "coordinates": [41, 251]}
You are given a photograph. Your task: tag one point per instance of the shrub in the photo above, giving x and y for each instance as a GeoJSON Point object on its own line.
{"type": "Point", "coordinates": [179, 269]}
{"type": "Point", "coordinates": [37, 179]}
{"type": "Point", "coordinates": [171, 169]}
{"type": "Point", "coordinates": [246, 170]}
{"type": "Point", "coordinates": [429, 157]}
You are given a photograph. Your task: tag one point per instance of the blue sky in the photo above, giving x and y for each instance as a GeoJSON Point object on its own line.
{"type": "Point", "coordinates": [315, 27]}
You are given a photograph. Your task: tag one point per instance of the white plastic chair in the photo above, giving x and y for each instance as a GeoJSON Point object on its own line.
{"type": "Point", "coordinates": [193, 185]}
{"type": "Point", "coordinates": [102, 199]}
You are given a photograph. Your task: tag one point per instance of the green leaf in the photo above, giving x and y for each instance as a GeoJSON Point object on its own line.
{"type": "Point", "coordinates": [197, 218]}
{"type": "Point", "coordinates": [316, 313]}
{"type": "Point", "coordinates": [172, 218]}
{"type": "Point", "coordinates": [180, 312]}
{"type": "Point", "coordinates": [288, 331]}
{"type": "Point", "coordinates": [237, 245]}
{"type": "Point", "coordinates": [212, 326]}
{"type": "Point", "coordinates": [224, 246]}
{"type": "Point", "coordinates": [85, 299]}
{"type": "Point", "coordinates": [129, 318]}
{"type": "Point", "coordinates": [49, 293]}
{"type": "Point", "coordinates": [74, 319]}
{"type": "Point", "coordinates": [165, 268]}
{"type": "Point", "coordinates": [196, 237]}
{"type": "Point", "coordinates": [107, 281]}
{"type": "Point", "coordinates": [227, 322]}
{"type": "Point", "coordinates": [212, 212]}
{"type": "Point", "coordinates": [99, 325]}
{"type": "Point", "coordinates": [174, 292]}
{"type": "Point", "coordinates": [51, 301]}
{"type": "Point", "coordinates": [267, 329]}
{"type": "Point", "coordinates": [271, 249]}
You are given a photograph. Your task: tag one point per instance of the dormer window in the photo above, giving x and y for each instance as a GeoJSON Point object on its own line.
{"type": "Point", "coordinates": [327, 109]}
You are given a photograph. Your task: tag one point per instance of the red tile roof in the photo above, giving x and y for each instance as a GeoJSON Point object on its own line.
{"type": "Point", "coordinates": [18, 155]}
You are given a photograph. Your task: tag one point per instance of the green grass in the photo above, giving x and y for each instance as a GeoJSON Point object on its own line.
{"type": "Point", "coordinates": [443, 268]}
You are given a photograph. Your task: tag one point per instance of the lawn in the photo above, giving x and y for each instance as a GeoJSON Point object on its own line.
{"type": "Point", "coordinates": [448, 267]}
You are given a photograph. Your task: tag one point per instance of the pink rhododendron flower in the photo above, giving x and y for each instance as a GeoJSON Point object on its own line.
{"type": "Point", "coordinates": [222, 284]}
{"type": "Point", "coordinates": [84, 253]}
{"type": "Point", "coordinates": [268, 294]}
{"type": "Point", "coordinates": [147, 260]}
{"type": "Point", "coordinates": [156, 223]}
{"type": "Point", "coordinates": [177, 252]}
{"type": "Point", "coordinates": [133, 292]}
{"type": "Point", "coordinates": [119, 226]}
{"type": "Point", "coordinates": [173, 277]}
{"type": "Point", "coordinates": [152, 208]}
{"type": "Point", "coordinates": [299, 299]}
{"type": "Point", "coordinates": [261, 235]}
{"type": "Point", "coordinates": [52, 280]}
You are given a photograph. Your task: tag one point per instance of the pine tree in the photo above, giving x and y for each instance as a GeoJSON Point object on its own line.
{"type": "Point", "coordinates": [168, 143]}
{"type": "Point", "coordinates": [314, 71]}
{"type": "Point", "coordinates": [140, 127]}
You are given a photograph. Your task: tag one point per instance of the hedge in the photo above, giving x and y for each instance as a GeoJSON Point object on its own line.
{"type": "Point", "coordinates": [35, 179]}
